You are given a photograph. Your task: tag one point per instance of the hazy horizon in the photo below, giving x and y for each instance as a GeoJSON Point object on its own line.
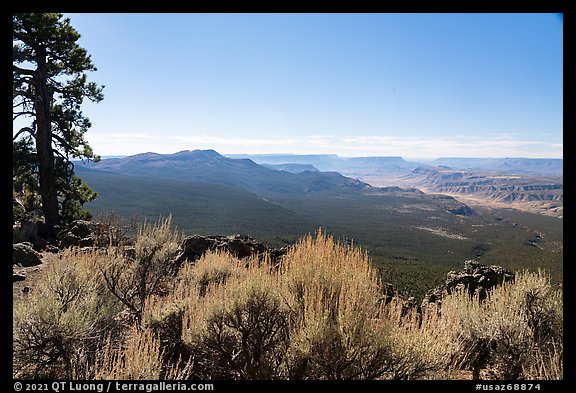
{"type": "Point", "coordinates": [352, 84]}
{"type": "Point", "coordinates": [406, 158]}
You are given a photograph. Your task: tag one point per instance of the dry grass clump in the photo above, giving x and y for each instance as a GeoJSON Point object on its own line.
{"type": "Point", "coordinates": [240, 329]}
{"type": "Point", "coordinates": [335, 329]}
{"type": "Point", "coordinates": [319, 314]}
{"type": "Point", "coordinates": [421, 342]}
{"type": "Point", "coordinates": [60, 324]}
{"type": "Point", "coordinates": [139, 359]}
{"type": "Point", "coordinates": [515, 333]}
{"type": "Point", "coordinates": [134, 280]}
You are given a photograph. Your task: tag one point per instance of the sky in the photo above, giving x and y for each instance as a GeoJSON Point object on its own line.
{"type": "Point", "coordinates": [410, 85]}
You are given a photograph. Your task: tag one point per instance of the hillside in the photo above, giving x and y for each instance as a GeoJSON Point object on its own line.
{"type": "Point", "coordinates": [415, 237]}
{"type": "Point", "coordinates": [160, 310]}
{"type": "Point", "coordinates": [529, 184]}
{"type": "Point", "coordinates": [198, 207]}
{"type": "Point", "coordinates": [532, 166]}
{"type": "Point", "coordinates": [349, 166]}
{"type": "Point", "coordinates": [536, 193]}
{"type": "Point", "coordinates": [208, 166]}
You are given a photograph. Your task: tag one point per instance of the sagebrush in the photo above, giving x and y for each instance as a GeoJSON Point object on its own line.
{"type": "Point", "coordinates": [320, 314]}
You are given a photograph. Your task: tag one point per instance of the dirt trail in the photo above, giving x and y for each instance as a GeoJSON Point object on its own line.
{"type": "Point", "coordinates": [34, 274]}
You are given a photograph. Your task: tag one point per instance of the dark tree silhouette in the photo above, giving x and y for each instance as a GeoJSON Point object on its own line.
{"type": "Point", "coordinates": [49, 86]}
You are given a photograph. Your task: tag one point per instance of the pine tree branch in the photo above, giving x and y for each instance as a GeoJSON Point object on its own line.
{"type": "Point", "coordinates": [21, 71]}
{"type": "Point", "coordinates": [22, 130]}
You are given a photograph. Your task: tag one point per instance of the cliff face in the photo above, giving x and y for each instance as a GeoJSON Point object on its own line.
{"type": "Point", "coordinates": [545, 191]}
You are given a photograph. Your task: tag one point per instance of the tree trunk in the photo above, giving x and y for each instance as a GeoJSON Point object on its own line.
{"type": "Point", "coordinates": [46, 175]}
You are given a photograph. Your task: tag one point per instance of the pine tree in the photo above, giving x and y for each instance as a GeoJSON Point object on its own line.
{"type": "Point", "coordinates": [49, 87]}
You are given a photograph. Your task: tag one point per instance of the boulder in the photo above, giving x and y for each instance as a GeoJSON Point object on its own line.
{"type": "Point", "coordinates": [80, 233]}
{"type": "Point", "coordinates": [193, 247]}
{"type": "Point", "coordinates": [18, 276]}
{"type": "Point", "coordinates": [23, 254]}
{"type": "Point", "coordinates": [477, 278]}
{"type": "Point", "coordinates": [241, 246]}
{"type": "Point", "coordinates": [24, 231]}
{"type": "Point", "coordinates": [82, 228]}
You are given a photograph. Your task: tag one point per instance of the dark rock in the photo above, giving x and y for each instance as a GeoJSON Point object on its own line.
{"type": "Point", "coordinates": [276, 254]}
{"type": "Point", "coordinates": [239, 246]}
{"type": "Point", "coordinates": [129, 252]}
{"type": "Point", "coordinates": [86, 242]}
{"type": "Point", "coordinates": [388, 292]}
{"type": "Point", "coordinates": [23, 254]}
{"type": "Point", "coordinates": [48, 232]}
{"type": "Point", "coordinates": [24, 231]}
{"type": "Point", "coordinates": [476, 278]}
{"type": "Point", "coordinates": [82, 228]}
{"type": "Point", "coordinates": [80, 233]}
{"type": "Point", "coordinates": [193, 247]}
{"type": "Point", "coordinates": [18, 276]}
{"type": "Point", "coordinates": [69, 240]}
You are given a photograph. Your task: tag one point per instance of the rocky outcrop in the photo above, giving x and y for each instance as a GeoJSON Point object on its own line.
{"type": "Point", "coordinates": [542, 194]}
{"type": "Point", "coordinates": [18, 276]}
{"type": "Point", "coordinates": [193, 247]}
{"type": "Point", "coordinates": [37, 233]}
{"type": "Point", "coordinates": [476, 278]}
{"type": "Point", "coordinates": [85, 234]}
{"type": "Point", "coordinates": [80, 233]}
{"type": "Point", "coordinates": [24, 231]}
{"type": "Point", "coordinates": [24, 255]}
{"type": "Point", "coordinates": [452, 205]}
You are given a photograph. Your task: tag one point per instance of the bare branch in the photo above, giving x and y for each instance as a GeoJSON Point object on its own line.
{"type": "Point", "coordinates": [20, 70]}
{"type": "Point", "coordinates": [23, 130]}
{"type": "Point", "coordinates": [24, 103]}
{"type": "Point", "coordinates": [62, 142]}
{"type": "Point", "coordinates": [18, 114]}
{"type": "Point", "coordinates": [22, 93]}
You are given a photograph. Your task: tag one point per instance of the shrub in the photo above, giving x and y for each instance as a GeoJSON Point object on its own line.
{"type": "Point", "coordinates": [418, 343]}
{"type": "Point", "coordinates": [58, 328]}
{"type": "Point", "coordinates": [214, 268]}
{"type": "Point", "coordinates": [514, 332]}
{"type": "Point", "coordinates": [164, 318]}
{"type": "Point", "coordinates": [243, 331]}
{"type": "Point", "coordinates": [140, 358]}
{"type": "Point", "coordinates": [132, 281]}
{"type": "Point", "coordinates": [113, 230]}
{"type": "Point", "coordinates": [335, 331]}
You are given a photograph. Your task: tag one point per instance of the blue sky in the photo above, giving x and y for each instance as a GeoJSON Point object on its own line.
{"type": "Point", "coordinates": [410, 85]}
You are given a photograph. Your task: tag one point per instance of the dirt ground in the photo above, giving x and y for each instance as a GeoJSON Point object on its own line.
{"type": "Point", "coordinates": [34, 274]}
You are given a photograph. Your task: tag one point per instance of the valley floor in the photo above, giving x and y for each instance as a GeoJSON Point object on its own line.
{"type": "Point", "coordinates": [538, 207]}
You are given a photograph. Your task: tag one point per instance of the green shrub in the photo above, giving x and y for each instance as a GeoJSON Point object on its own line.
{"type": "Point", "coordinates": [59, 326]}
{"type": "Point", "coordinates": [244, 333]}
{"type": "Point", "coordinates": [133, 281]}
{"type": "Point", "coordinates": [515, 331]}
{"type": "Point", "coordinates": [335, 331]}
